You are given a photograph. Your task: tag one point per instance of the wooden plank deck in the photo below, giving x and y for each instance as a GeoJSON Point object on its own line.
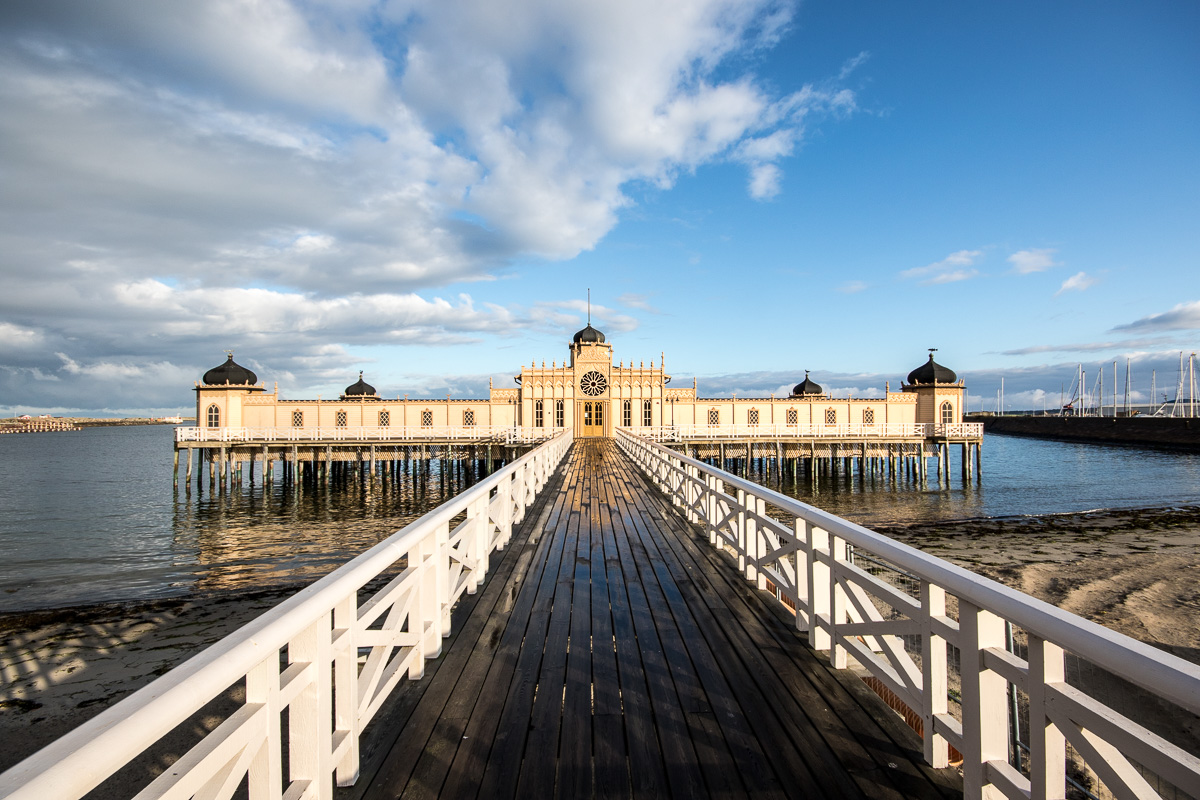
{"type": "Point", "coordinates": [613, 653]}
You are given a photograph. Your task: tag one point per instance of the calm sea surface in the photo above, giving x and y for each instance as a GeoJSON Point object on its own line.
{"type": "Point", "coordinates": [91, 516]}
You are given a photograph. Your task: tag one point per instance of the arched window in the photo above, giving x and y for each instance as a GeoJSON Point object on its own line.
{"type": "Point", "coordinates": [558, 413]}
{"type": "Point", "coordinates": [793, 417]}
{"type": "Point", "coordinates": [600, 414]}
{"type": "Point", "coordinates": [714, 416]}
{"type": "Point", "coordinates": [297, 419]}
{"type": "Point", "coordinates": [539, 420]}
{"type": "Point", "coordinates": [647, 414]}
{"type": "Point", "coordinates": [385, 419]}
{"type": "Point", "coordinates": [752, 417]}
{"type": "Point", "coordinates": [947, 413]}
{"type": "Point", "coordinates": [427, 419]}
{"type": "Point", "coordinates": [627, 413]}
{"type": "Point", "coordinates": [340, 419]}
{"type": "Point", "coordinates": [469, 418]}
{"type": "Point", "coordinates": [868, 416]}
{"type": "Point", "coordinates": [831, 416]}
{"type": "Point", "coordinates": [214, 416]}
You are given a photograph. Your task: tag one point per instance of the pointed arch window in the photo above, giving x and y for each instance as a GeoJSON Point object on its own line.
{"type": "Point", "coordinates": [539, 419]}
{"type": "Point", "coordinates": [427, 418]}
{"type": "Point", "coordinates": [947, 413]}
{"type": "Point", "coordinates": [385, 419]}
{"type": "Point", "coordinates": [793, 417]}
{"type": "Point", "coordinates": [752, 417]}
{"type": "Point", "coordinates": [627, 413]}
{"type": "Point", "coordinates": [869, 416]}
{"type": "Point", "coordinates": [831, 416]}
{"type": "Point", "coordinates": [647, 414]}
{"type": "Point", "coordinates": [340, 419]}
{"type": "Point", "coordinates": [297, 419]}
{"type": "Point", "coordinates": [214, 416]}
{"type": "Point", "coordinates": [714, 416]}
{"type": "Point", "coordinates": [558, 413]}
{"type": "Point", "coordinates": [469, 418]}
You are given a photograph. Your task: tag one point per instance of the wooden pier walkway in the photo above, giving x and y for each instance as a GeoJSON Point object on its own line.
{"type": "Point", "coordinates": [613, 653]}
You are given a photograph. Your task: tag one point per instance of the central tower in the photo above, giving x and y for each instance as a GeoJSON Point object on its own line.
{"type": "Point", "coordinates": [591, 365]}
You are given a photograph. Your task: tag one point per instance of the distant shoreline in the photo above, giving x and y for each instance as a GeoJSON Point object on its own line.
{"type": "Point", "coordinates": [98, 422]}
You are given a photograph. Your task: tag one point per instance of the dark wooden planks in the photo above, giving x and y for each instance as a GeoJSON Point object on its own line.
{"type": "Point", "coordinates": [859, 732]}
{"type": "Point", "coordinates": [614, 653]}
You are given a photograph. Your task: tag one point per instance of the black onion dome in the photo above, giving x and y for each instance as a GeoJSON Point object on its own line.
{"type": "Point", "coordinates": [807, 387]}
{"type": "Point", "coordinates": [932, 372]}
{"type": "Point", "coordinates": [360, 388]}
{"type": "Point", "coordinates": [230, 373]}
{"type": "Point", "coordinates": [589, 335]}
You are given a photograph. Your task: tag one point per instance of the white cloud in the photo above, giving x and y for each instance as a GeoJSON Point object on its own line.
{"type": "Point", "coordinates": [1078, 282]}
{"type": "Point", "coordinates": [1026, 261]}
{"type": "Point", "coordinates": [292, 175]}
{"type": "Point", "coordinates": [638, 301]}
{"type": "Point", "coordinates": [18, 335]}
{"type": "Point", "coordinates": [952, 268]}
{"type": "Point", "coordinates": [765, 180]}
{"type": "Point", "coordinates": [853, 287]}
{"type": "Point", "coordinates": [1183, 317]}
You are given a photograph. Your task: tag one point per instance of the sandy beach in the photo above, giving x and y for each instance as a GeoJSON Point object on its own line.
{"type": "Point", "coordinates": [1133, 571]}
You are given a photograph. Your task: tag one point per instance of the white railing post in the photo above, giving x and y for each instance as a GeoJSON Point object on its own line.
{"type": "Point", "coordinates": [711, 504]}
{"type": "Point", "coordinates": [442, 573]}
{"type": "Point", "coordinates": [934, 674]}
{"type": "Point", "coordinates": [478, 542]}
{"type": "Point", "coordinates": [265, 779]}
{"type": "Point", "coordinates": [1047, 748]}
{"type": "Point", "coordinates": [760, 542]}
{"type": "Point", "coordinates": [505, 521]}
{"type": "Point", "coordinates": [740, 530]}
{"type": "Point", "coordinates": [818, 586]}
{"type": "Point", "coordinates": [802, 559]}
{"type": "Point", "coordinates": [345, 676]}
{"type": "Point", "coordinates": [750, 542]}
{"type": "Point", "coordinates": [984, 706]}
{"type": "Point", "coordinates": [837, 601]}
{"type": "Point", "coordinates": [310, 714]}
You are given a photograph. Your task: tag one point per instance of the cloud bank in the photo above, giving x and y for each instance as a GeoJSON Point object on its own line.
{"type": "Point", "coordinates": [299, 176]}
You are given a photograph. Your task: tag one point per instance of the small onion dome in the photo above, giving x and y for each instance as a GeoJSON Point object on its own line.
{"type": "Point", "coordinates": [360, 388]}
{"type": "Point", "coordinates": [932, 372]}
{"type": "Point", "coordinates": [589, 335]}
{"type": "Point", "coordinates": [807, 388]}
{"type": "Point", "coordinates": [230, 373]}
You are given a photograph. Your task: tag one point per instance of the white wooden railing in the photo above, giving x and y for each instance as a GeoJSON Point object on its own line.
{"type": "Point", "coordinates": [825, 568]}
{"type": "Point", "coordinates": [342, 659]}
{"type": "Point", "coordinates": [501, 433]}
{"type": "Point", "coordinates": [675, 433]}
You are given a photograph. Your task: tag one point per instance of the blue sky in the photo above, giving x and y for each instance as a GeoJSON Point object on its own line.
{"type": "Point", "coordinates": [425, 191]}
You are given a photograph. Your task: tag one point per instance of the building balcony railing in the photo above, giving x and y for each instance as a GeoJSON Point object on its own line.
{"type": "Point", "coordinates": [466, 433]}
{"type": "Point", "coordinates": [889, 430]}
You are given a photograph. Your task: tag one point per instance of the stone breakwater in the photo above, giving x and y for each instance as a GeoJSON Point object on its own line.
{"type": "Point", "coordinates": [1153, 431]}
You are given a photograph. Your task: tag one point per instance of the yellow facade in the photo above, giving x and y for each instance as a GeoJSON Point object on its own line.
{"type": "Point", "coordinates": [588, 392]}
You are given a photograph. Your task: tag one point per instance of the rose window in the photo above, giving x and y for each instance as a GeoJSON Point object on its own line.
{"type": "Point", "coordinates": [593, 383]}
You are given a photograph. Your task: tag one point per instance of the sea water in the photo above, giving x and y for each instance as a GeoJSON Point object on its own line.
{"type": "Point", "coordinates": [91, 516]}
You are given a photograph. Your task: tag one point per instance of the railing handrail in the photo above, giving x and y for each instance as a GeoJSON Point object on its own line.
{"type": "Point", "coordinates": [1155, 670]}
{"type": "Point", "coordinates": [806, 430]}
{"type": "Point", "coordinates": [326, 433]}
{"type": "Point", "coordinates": [74, 764]}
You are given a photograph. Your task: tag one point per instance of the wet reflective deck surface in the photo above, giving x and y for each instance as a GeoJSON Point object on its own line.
{"type": "Point", "coordinates": [612, 652]}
